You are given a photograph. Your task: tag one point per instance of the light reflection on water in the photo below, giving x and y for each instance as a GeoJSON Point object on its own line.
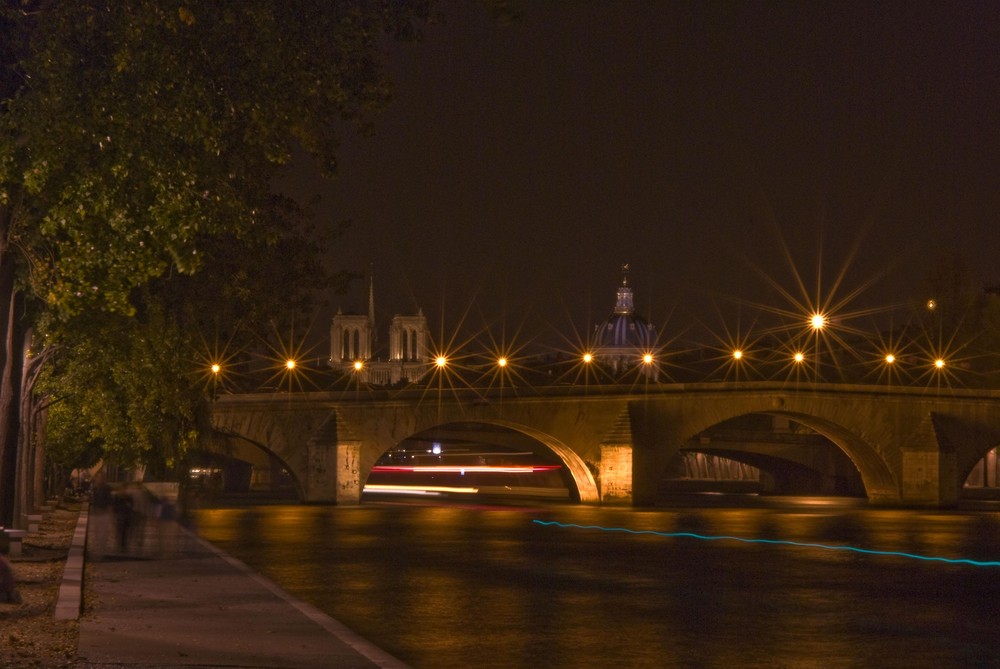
{"type": "Point", "coordinates": [462, 586]}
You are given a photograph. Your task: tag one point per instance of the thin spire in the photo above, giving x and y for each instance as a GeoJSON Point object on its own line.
{"type": "Point", "coordinates": [371, 295]}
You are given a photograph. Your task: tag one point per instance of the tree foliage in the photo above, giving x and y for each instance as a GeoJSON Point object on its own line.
{"type": "Point", "coordinates": [138, 143]}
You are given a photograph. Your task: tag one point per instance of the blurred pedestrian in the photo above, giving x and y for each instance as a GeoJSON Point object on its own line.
{"type": "Point", "coordinates": [101, 499]}
{"type": "Point", "coordinates": [8, 589]}
{"type": "Point", "coordinates": [122, 505]}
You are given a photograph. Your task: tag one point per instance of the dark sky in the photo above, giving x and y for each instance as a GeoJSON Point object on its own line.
{"type": "Point", "coordinates": [520, 165]}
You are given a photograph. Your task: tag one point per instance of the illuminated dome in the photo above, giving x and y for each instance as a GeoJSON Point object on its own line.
{"type": "Point", "coordinates": [622, 341]}
{"type": "Point", "coordinates": [624, 328]}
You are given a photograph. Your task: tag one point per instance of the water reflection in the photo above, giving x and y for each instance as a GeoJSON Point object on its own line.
{"type": "Point", "coordinates": [461, 586]}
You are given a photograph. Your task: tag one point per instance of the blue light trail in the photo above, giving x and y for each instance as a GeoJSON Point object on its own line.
{"type": "Point", "coordinates": [775, 542]}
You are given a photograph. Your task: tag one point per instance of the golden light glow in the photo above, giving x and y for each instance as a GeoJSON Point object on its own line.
{"type": "Point", "coordinates": [216, 368]}
{"type": "Point", "coordinates": [737, 354]}
{"type": "Point", "coordinates": [939, 363]}
{"type": "Point", "coordinates": [799, 357]}
{"type": "Point", "coordinates": [648, 358]}
{"type": "Point", "coordinates": [441, 361]}
{"type": "Point", "coordinates": [502, 362]}
{"type": "Point", "coordinates": [931, 305]}
{"type": "Point", "coordinates": [890, 358]}
{"type": "Point", "coordinates": [358, 365]}
{"type": "Point", "coordinates": [817, 321]}
{"type": "Point", "coordinates": [290, 364]}
{"type": "Point", "coordinates": [587, 357]}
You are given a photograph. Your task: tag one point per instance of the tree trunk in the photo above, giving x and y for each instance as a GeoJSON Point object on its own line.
{"type": "Point", "coordinates": [10, 408]}
{"type": "Point", "coordinates": [39, 416]}
{"type": "Point", "coordinates": [9, 388]}
{"type": "Point", "coordinates": [26, 498]}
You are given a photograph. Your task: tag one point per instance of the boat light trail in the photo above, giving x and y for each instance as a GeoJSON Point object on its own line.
{"type": "Point", "coordinates": [774, 542]}
{"type": "Point", "coordinates": [418, 490]}
{"type": "Point", "coordinates": [464, 469]}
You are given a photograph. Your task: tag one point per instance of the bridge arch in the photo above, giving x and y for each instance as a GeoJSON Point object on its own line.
{"type": "Point", "coordinates": [678, 423]}
{"type": "Point", "coordinates": [875, 474]}
{"type": "Point", "coordinates": [580, 475]}
{"type": "Point", "coordinates": [872, 468]}
{"type": "Point", "coordinates": [244, 448]}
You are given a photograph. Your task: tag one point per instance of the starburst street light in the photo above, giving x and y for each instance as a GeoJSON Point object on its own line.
{"type": "Point", "coordinates": [799, 356]}
{"type": "Point", "coordinates": [817, 321]}
{"type": "Point", "coordinates": [588, 357]}
{"type": "Point", "coordinates": [939, 363]}
{"type": "Point", "coordinates": [502, 362]}
{"type": "Point", "coordinates": [216, 368]}
{"type": "Point", "coordinates": [647, 358]}
{"type": "Point", "coordinates": [441, 361]}
{"type": "Point", "coordinates": [890, 358]}
{"type": "Point", "coordinates": [358, 365]}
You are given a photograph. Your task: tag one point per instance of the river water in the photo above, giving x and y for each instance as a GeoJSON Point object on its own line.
{"type": "Point", "coordinates": [468, 585]}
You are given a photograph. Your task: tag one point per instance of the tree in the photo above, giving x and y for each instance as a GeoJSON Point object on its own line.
{"type": "Point", "coordinates": [134, 132]}
{"type": "Point", "coordinates": [138, 384]}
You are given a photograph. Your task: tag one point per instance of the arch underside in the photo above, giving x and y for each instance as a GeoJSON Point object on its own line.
{"type": "Point", "coordinates": [234, 445]}
{"type": "Point", "coordinates": [580, 476]}
{"type": "Point", "coordinates": [876, 476]}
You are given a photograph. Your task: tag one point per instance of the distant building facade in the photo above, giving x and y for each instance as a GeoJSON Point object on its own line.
{"type": "Point", "coordinates": [624, 342]}
{"type": "Point", "coordinates": [353, 346]}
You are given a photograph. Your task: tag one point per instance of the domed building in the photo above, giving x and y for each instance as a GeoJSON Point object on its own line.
{"type": "Point", "coordinates": [626, 340]}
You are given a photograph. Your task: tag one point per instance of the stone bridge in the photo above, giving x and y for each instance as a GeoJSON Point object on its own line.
{"type": "Point", "coordinates": [911, 446]}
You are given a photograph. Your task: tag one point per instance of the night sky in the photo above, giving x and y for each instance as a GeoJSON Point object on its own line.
{"type": "Point", "coordinates": [521, 165]}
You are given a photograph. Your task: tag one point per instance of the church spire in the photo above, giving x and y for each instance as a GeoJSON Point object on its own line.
{"type": "Point", "coordinates": [371, 296]}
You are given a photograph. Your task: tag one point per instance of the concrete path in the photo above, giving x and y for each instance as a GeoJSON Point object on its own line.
{"type": "Point", "coordinates": [180, 602]}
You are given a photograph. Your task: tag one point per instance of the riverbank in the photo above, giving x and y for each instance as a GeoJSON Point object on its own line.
{"type": "Point", "coordinates": [30, 636]}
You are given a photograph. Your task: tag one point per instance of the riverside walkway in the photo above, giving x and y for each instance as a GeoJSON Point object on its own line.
{"type": "Point", "coordinates": [180, 602]}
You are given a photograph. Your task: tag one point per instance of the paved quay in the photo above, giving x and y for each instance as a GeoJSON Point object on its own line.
{"type": "Point", "coordinates": [177, 601]}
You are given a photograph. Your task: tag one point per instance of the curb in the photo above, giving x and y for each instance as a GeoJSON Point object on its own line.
{"type": "Point", "coordinates": [70, 598]}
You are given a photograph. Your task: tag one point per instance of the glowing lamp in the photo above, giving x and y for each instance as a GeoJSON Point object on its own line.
{"type": "Point", "coordinates": [890, 358]}
{"type": "Point", "coordinates": [441, 361]}
{"type": "Point", "coordinates": [648, 358]}
{"type": "Point", "coordinates": [358, 365]}
{"type": "Point", "coordinates": [939, 363]}
{"type": "Point", "coordinates": [216, 368]}
{"type": "Point", "coordinates": [290, 364]}
{"type": "Point", "coordinates": [587, 357]}
{"type": "Point", "coordinates": [502, 362]}
{"type": "Point", "coordinates": [737, 354]}
{"type": "Point", "coordinates": [799, 357]}
{"type": "Point", "coordinates": [817, 321]}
